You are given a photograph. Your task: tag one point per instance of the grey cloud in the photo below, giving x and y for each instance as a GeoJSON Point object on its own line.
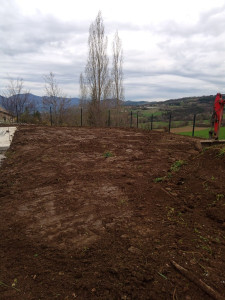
{"type": "Point", "coordinates": [123, 26]}
{"type": "Point", "coordinates": [193, 50]}
{"type": "Point", "coordinates": [20, 34]}
{"type": "Point", "coordinates": [213, 22]}
{"type": "Point", "coordinates": [32, 47]}
{"type": "Point", "coordinates": [210, 23]}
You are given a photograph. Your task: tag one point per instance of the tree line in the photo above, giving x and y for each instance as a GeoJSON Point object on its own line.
{"type": "Point", "coordinates": [101, 87]}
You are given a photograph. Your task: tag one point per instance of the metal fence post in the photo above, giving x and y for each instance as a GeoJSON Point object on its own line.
{"type": "Point", "coordinates": [131, 118]}
{"type": "Point", "coordinates": [193, 129]}
{"type": "Point", "coordinates": [109, 119]}
{"type": "Point", "coordinates": [17, 114]}
{"type": "Point", "coordinates": [51, 115]}
{"type": "Point", "coordinates": [170, 122]}
{"type": "Point", "coordinates": [81, 117]}
{"type": "Point", "coordinates": [151, 122]}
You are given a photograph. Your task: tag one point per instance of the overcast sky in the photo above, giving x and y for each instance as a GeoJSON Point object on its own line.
{"type": "Point", "coordinates": [172, 48]}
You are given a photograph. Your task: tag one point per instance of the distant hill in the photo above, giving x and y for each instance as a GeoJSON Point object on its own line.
{"type": "Point", "coordinates": [135, 103]}
{"type": "Point", "coordinates": [75, 101]}
{"type": "Point", "coordinates": [183, 108]}
{"type": "Point", "coordinates": [202, 99]}
{"type": "Point", "coordinates": [38, 101]}
{"type": "Point", "coordinates": [185, 101]}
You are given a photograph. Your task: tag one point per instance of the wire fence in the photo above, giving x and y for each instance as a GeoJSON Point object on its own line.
{"type": "Point", "coordinates": [134, 119]}
{"type": "Point", "coordinates": [124, 118]}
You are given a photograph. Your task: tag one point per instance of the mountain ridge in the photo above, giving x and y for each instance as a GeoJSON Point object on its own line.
{"type": "Point", "coordinates": [205, 99]}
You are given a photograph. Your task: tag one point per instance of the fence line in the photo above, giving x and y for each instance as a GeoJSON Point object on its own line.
{"type": "Point", "coordinates": [123, 118]}
{"type": "Point", "coordinates": [128, 118]}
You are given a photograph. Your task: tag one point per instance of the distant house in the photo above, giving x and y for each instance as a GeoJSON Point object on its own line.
{"type": "Point", "coordinates": [5, 116]}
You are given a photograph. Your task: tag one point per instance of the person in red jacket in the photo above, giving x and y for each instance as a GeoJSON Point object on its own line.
{"type": "Point", "coordinates": [217, 115]}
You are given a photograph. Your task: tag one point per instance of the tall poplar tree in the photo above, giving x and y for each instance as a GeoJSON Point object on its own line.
{"type": "Point", "coordinates": [97, 73]}
{"type": "Point", "coordinates": [117, 71]}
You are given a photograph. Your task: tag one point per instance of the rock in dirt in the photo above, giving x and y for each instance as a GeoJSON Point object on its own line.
{"type": "Point", "coordinates": [134, 250]}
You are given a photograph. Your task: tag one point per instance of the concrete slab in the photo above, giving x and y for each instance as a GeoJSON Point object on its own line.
{"type": "Point", "coordinates": [6, 136]}
{"type": "Point", "coordinates": [212, 142]}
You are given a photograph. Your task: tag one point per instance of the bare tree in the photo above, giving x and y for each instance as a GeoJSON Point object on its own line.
{"type": "Point", "coordinates": [117, 77]}
{"type": "Point", "coordinates": [97, 74]}
{"type": "Point", "coordinates": [117, 71]}
{"type": "Point", "coordinates": [83, 91]}
{"type": "Point", "coordinates": [15, 98]}
{"type": "Point", "coordinates": [55, 99]}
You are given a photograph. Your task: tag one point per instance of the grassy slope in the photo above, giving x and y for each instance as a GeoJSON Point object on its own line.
{"type": "Point", "coordinates": [205, 133]}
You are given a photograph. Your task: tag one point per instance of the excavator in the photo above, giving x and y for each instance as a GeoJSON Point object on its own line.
{"type": "Point", "coordinates": [216, 121]}
{"type": "Point", "coordinates": [216, 117]}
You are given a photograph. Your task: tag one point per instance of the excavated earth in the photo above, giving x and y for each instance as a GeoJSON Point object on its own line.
{"type": "Point", "coordinates": [97, 213]}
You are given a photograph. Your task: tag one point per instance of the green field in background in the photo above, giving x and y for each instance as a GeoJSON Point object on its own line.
{"type": "Point", "coordinates": [205, 133]}
{"type": "Point", "coordinates": [161, 124]}
{"type": "Point", "coordinates": [149, 113]}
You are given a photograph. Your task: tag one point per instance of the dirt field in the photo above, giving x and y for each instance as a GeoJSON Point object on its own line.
{"type": "Point", "coordinates": [99, 214]}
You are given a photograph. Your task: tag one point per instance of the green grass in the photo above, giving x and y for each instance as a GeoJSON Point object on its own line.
{"type": "Point", "coordinates": [149, 113]}
{"type": "Point", "coordinates": [159, 179]}
{"type": "Point", "coordinates": [177, 165]}
{"type": "Point", "coordinates": [206, 122]}
{"type": "Point", "coordinates": [205, 133]}
{"type": "Point", "coordinates": [108, 154]}
{"type": "Point", "coordinates": [161, 124]}
{"type": "Point", "coordinates": [221, 152]}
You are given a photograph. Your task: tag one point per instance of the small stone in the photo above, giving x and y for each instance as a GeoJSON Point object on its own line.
{"type": "Point", "coordinates": [174, 194]}
{"type": "Point", "coordinates": [134, 250]}
{"type": "Point", "coordinates": [110, 225]}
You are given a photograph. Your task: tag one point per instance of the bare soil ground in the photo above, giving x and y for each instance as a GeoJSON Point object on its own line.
{"type": "Point", "coordinates": [99, 214]}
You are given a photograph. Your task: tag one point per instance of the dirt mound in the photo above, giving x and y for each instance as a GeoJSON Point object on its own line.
{"type": "Point", "coordinates": [104, 214]}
